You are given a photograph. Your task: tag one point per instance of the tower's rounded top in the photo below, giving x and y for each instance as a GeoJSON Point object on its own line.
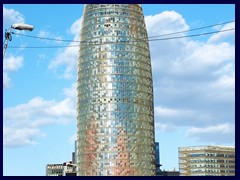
{"type": "Point", "coordinates": [137, 4]}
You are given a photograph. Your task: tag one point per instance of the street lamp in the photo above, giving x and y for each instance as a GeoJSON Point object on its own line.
{"type": "Point", "coordinates": [8, 36]}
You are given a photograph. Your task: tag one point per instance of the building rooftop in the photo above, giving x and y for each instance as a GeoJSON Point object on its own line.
{"type": "Point", "coordinates": [215, 147]}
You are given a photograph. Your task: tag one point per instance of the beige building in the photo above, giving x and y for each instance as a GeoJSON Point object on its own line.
{"type": "Point", "coordinates": [207, 161]}
{"type": "Point", "coordinates": [54, 170]}
{"type": "Point", "coordinates": [65, 169]}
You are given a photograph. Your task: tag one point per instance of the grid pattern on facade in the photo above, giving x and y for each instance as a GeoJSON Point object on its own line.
{"type": "Point", "coordinates": [207, 161]}
{"type": "Point", "coordinates": [54, 170]}
{"type": "Point", "coordinates": [114, 93]}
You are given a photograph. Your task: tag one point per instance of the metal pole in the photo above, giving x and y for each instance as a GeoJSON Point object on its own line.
{"type": "Point", "coordinates": [8, 37]}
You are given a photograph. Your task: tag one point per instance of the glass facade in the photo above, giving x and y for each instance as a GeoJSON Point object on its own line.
{"type": "Point", "coordinates": [114, 93]}
{"type": "Point", "coordinates": [157, 154]}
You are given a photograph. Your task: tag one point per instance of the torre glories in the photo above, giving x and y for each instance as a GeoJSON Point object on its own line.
{"type": "Point", "coordinates": [115, 123]}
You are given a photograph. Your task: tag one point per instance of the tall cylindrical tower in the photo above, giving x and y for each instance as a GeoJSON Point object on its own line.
{"type": "Point", "coordinates": [114, 93]}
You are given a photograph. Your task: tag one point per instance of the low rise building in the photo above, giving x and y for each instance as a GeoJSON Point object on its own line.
{"type": "Point", "coordinates": [207, 161]}
{"type": "Point", "coordinates": [54, 170]}
{"type": "Point", "coordinates": [69, 169]}
{"type": "Point", "coordinates": [65, 169]}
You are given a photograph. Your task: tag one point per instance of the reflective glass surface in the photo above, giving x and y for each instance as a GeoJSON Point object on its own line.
{"type": "Point", "coordinates": [114, 93]}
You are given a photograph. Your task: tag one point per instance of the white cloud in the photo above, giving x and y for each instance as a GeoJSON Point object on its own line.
{"type": "Point", "coordinates": [220, 133]}
{"type": "Point", "coordinates": [71, 92]}
{"type": "Point", "coordinates": [22, 123]}
{"type": "Point", "coordinates": [183, 56]}
{"type": "Point", "coordinates": [6, 80]}
{"type": "Point", "coordinates": [68, 57]}
{"type": "Point", "coordinates": [45, 34]}
{"type": "Point", "coordinates": [64, 108]}
{"type": "Point", "coordinates": [208, 54]}
{"type": "Point", "coordinates": [38, 107]}
{"type": "Point", "coordinates": [223, 89]}
{"type": "Point", "coordinates": [75, 28]}
{"type": "Point", "coordinates": [168, 112]}
{"type": "Point", "coordinates": [11, 16]}
{"type": "Point", "coordinates": [226, 70]}
{"type": "Point", "coordinates": [165, 22]}
{"type": "Point", "coordinates": [20, 137]}
{"type": "Point", "coordinates": [160, 127]}
{"type": "Point", "coordinates": [72, 139]}
{"type": "Point", "coordinates": [218, 37]}
{"type": "Point", "coordinates": [163, 53]}
{"type": "Point", "coordinates": [10, 63]}
{"type": "Point", "coordinates": [165, 117]}
{"type": "Point", "coordinates": [223, 128]}
{"type": "Point", "coordinates": [194, 80]}
{"type": "Point", "coordinates": [225, 82]}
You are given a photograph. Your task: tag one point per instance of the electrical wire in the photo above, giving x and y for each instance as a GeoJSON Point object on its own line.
{"type": "Point", "coordinates": [204, 27]}
{"type": "Point", "coordinates": [193, 35]}
{"type": "Point", "coordinates": [38, 37]}
{"type": "Point", "coordinates": [66, 40]}
{"type": "Point", "coordinates": [157, 39]}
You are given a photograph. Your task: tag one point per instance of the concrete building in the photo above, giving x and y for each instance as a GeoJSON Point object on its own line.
{"type": "Point", "coordinates": [115, 125]}
{"type": "Point", "coordinates": [65, 169]}
{"type": "Point", "coordinates": [168, 173]}
{"type": "Point", "coordinates": [207, 161]}
{"type": "Point", "coordinates": [69, 169]}
{"type": "Point", "coordinates": [54, 170]}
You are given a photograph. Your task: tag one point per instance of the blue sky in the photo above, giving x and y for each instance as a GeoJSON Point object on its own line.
{"type": "Point", "coordinates": [194, 82]}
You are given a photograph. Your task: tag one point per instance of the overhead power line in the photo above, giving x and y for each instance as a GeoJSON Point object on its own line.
{"type": "Point", "coordinates": [66, 40]}
{"type": "Point", "coordinates": [157, 39]}
{"type": "Point", "coordinates": [193, 35]}
{"type": "Point", "coordinates": [45, 38]}
{"type": "Point", "coordinates": [204, 27]}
